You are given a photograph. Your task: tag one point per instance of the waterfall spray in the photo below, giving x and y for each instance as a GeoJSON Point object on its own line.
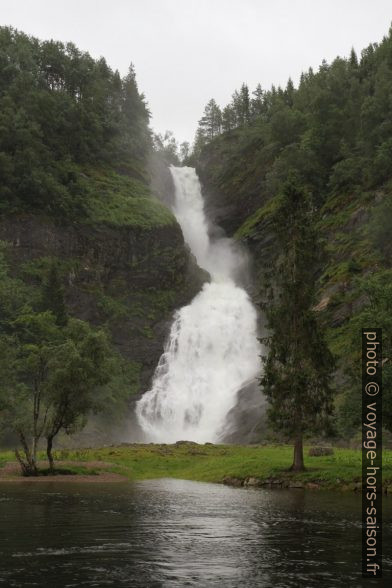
{"type": "Point", "coordinates": [212, 350]}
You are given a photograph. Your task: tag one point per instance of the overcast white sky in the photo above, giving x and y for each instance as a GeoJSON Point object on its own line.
{"type": "Point", "coordinates": [187, 51]}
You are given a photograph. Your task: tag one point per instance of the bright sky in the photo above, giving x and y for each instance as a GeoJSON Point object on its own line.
{"type": "Point", "coordinates": [188, 51]}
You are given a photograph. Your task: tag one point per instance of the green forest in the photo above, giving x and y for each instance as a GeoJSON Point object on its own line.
{"type": "Point", "coordinates": [333, 132]}
{"type": "Point", "coordinates": [93, 264]}
{"type": "Point", "coordinates": [74, 145]}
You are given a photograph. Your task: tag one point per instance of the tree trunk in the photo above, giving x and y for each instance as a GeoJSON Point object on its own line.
{"type": "Point", "coordinates": [298, 463]}
{"type": "Point", "coordinates": [34, 451]}
{"type": "Point", "coordinates": [49, 447]}
{"type": "Point", "coordinates": [28, 467]}
{"type": "Point", "coordinates": [24, 466]}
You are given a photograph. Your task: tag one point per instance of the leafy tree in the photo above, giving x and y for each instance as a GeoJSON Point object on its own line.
{"type": "Point", "coordinates": [166, 145]}
{"type": "Point", "coordinates": [58, 377]}
{"type": "Point", "coordinates": [53, 372]}
{"type": "Point", "coordinates": [185, 151]}
{"type": "Point", "coordinates": [76, 385]}
{"type": "Point", "coordinates": [298, 366]}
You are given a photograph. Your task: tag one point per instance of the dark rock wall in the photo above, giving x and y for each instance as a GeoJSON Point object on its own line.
{"type": "Point", "coordinates": [131, 279]}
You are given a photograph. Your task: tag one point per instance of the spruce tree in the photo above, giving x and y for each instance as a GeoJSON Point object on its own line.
{"type": "Point", "coordinates": [211, 122]}
{"type": "Point", "coordinates": [298, 364]}
{"type": "Point", "coordinates": [257, 103]}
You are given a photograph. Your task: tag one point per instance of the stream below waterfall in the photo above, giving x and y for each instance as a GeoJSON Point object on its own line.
{"type": "Point", "coordinates": [177, 533]}
{"type": "Point", "coordinates": [212, 350]}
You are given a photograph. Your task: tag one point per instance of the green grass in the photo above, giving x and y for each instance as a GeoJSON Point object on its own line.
{"type": "Point", "coordinates": [213, 463]}
{"type": "Point", "coordinates": [123, 201]}
{"type": "Point", "coordinates": [6, 456]}
{"type": "Point", "coordinates": [251, 224]}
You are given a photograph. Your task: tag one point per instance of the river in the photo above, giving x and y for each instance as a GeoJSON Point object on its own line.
{"type": "Point", "coordinates": [178, 533]}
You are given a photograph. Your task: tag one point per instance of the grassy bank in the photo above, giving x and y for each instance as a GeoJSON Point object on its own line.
{"type": "Point", "coordinates": [232, 464]}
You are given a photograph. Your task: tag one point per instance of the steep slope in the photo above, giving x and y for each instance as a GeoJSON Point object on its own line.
{"type": "Point", "coordinates": [75, 147]}
{"type": "Point", "coordinates": [335, 133]}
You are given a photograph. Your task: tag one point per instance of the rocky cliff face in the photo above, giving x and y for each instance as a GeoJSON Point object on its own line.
{"type": "Point", "coordinates": [128, 278]}
{"type": "Point", "coordinates": [354, 271]}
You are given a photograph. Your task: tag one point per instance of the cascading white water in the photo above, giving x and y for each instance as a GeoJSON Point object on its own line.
{"type": "Point", "coordinates": [212, 350]}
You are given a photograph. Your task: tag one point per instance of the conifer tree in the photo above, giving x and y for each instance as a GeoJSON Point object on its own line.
{"type": "Point", "coordinates": [298, 365]}
{"type": "Point", "coordinates": [211, 122]}
{"type": "Point", "coordinates": [228, 119]}
{"type": "Point", "coordinates": [245, 104]}
{"type": "Point", "coordinates": [257, 103]}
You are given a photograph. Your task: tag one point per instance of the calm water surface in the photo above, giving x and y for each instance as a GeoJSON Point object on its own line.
{"type": "Point", "coordinates": [177, 533]}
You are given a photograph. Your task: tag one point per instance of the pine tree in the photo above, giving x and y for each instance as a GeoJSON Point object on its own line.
{"type": "Point", "coordinates": [241, 106]}
{"type": "Point", "coordinates": [289, 92]}
{"type": "Point", "coordinates": [245, 104]}
{"type": "Point", "coordinates": [53, 296]}
{"type": "Point", "coordinates": [298, 365]}
{"type": "Point", "coordinates": [211, 122]}
{"type": "Point", "coordinates": [257, 103]}
{"type": "Point", "coordinates": [228, 119]}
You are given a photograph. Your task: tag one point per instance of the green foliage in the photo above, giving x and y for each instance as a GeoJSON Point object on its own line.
{"type": "Point", "coordinates": [375, 291]}
{"type": "Point", "coordinates": [298, 366]}
{"type": "Point", "coordinates": [53, 296]}
{"type": "Point", "coordinates": [61, 110]}
{"type": "Point", "coordinates": [167, 148]}
{"type": "Point", "coordinates": [248, 228]}
{"type": "Point", "coordinates": [334, 130]}
{"type": "Point", "coordinates": [54, 371]}
{"type": "Point", "coordinates": [380, 228]}
{"type": "Point", "coordinates": [120, 200]}
{"type": "Point", "coordinates": [120, 210]}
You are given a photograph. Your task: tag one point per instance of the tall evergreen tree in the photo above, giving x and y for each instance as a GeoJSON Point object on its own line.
{"type": "Point", "coordinates": [245, 104]}
{"type": "Point", "coordinates": [257, 103]}
{"type": "Point", "coordinates": [211, 122]}
{"type": "Point", "coordinates": [298, 365]}
{"type": "Point", "coordinates": [228, 119]}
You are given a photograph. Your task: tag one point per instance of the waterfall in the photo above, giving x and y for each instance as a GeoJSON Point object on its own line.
{"type": "Point", "coordinates": [212, 350]}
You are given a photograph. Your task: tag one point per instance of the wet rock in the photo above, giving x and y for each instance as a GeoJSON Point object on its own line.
{"type": "Point", "coordinates": [246, 421]}
{"type": "Point", "coordinates": [296, 484]}
{"type": "Point", "coordinates": [251, 481]}
{"type": "Point", "coordinates": [231, 481]}
{"type": "Point", "coordinates": [115, 263]}
{"type": "Point", "coordinates": [182, 443]}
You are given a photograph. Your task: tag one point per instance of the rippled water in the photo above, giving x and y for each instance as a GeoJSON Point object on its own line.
{"type": "Point", "coordinates": [177, 533]}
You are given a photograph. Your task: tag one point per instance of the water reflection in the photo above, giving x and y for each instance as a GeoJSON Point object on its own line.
{"type": "Point", "coordinates": [179, 533]}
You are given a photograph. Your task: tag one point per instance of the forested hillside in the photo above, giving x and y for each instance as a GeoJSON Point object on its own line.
{"type": "Point", "coordinates": [335, 133]}
{"type": "Point", "coordinates": [78, 218]}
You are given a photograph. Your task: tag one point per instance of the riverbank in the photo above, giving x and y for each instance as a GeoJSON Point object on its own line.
{"type": "Point", "coordinates": [237, 465]}
{"type": "Point", "coordinates": [66, 471]}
